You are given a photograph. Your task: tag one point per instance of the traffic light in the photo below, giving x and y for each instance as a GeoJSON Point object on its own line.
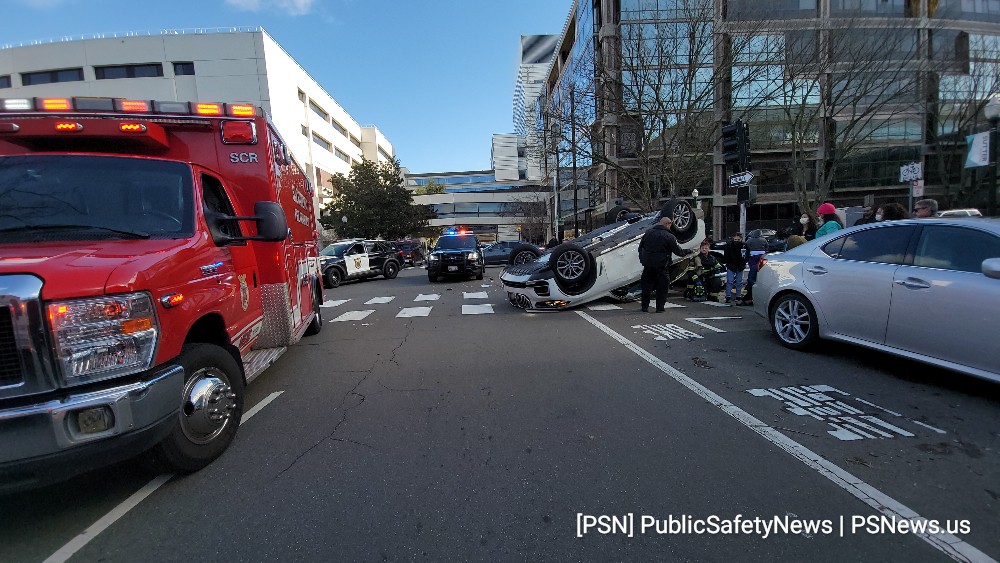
{"type": "Point", "coordinates": [746, 193]}
{"type": "Point", "coordinates": [736, 146]}
{"type": "Point", "coordinates": [745, 147]}
{"type": "Point", "coordinates": [732, 134]}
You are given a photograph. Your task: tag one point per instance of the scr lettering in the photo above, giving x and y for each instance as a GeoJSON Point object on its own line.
{"type": "Point", "coordinates": [245, 157]}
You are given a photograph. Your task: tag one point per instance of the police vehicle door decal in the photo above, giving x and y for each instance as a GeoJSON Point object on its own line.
{"type": "Point", "coordinates": [356, 260]}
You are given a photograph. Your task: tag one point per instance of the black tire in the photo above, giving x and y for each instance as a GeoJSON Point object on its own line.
{"type": "Point", "coordinates": [213, 385]}
{"type": "Point", "coordinates": [333, 277]}
{"type": "Point", "coordinates": [685, 225]}
{"type": "Point", "coordinates": [616, 214]}
{"type": "Point", "coordinates": [479, 276]}
{"type": "Point", "coordinates": [390, 269]}
{"type": "Point", "coordinates": [570, 263]}
{"type": "Point", "coordinates": [523, 254]}
{"type": "Point", "coordinates": [432, 277]}
{"type": "Point", "coordinates": [316, 324]}
{"type": "Point", "coordinates": [793, 321]}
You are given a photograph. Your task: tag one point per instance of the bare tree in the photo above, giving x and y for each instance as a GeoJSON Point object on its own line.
{"type": "Point", "coordinates": [825, 96]}
{"type": "Point", "coordinates": [533, 218]}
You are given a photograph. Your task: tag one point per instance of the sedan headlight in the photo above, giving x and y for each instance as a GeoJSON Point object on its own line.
{"type": "Point", "coordinates": [104, 337]}
{"type": "Point", "coordinates": [473, 256]}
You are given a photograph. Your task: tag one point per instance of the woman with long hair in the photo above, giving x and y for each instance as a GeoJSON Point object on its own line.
{"type": "Point", "coordinates": [831, 222]}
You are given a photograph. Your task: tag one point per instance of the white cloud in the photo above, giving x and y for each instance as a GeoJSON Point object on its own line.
{"type": "Point", "coordinates": [289, 7]}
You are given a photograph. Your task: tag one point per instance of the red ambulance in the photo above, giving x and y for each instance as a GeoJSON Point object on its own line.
{"type": "Point", "coordinates": [155, 257]}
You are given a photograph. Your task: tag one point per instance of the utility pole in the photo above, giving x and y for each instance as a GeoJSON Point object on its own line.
{"type": "Point", "coordinates": [572, 136]}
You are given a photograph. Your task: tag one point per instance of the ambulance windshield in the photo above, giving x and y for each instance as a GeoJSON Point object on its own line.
{"type": "Point", "coordinates": [80, 197]}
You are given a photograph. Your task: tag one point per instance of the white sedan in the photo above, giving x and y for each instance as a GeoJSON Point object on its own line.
{"type": "Point", "coordinates": [925, 289]}
{"type": "Point", "coordinates": [602, 263]}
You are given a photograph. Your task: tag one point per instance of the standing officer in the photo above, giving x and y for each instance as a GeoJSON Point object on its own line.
{"type": "Point", "coordinates": [655, 248]}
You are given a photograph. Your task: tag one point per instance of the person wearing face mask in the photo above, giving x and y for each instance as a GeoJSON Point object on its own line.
{"type": "Point", "coordinates": [805, 227]}
{"type": "Point", "coordinates": [831, 222]}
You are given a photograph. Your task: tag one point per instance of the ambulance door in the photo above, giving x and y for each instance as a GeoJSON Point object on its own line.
{"type": "Point", "coordinates": [235, 267]}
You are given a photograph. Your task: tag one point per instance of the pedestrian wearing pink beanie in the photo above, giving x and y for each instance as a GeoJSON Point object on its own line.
{"type": "Point", "coordinates": [828, 213]}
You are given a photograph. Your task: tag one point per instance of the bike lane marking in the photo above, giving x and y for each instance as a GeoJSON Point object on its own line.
{"type": "Point", "coordinates": [949, 544]}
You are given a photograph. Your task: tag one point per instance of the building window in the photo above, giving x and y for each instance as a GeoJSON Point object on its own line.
{"type": "Point", "coordinates": [5, 81]}
{"type": "Point", "coordinates": [128, 71]}
{"type": "Point", "coordinates": [319, 111]}
{"type": "Point", "coordinates": [183, 69]}
{"type": "Point", "coordinates": [52, 76]}
{"type": "Point", "coordinates": [302, 96]}
{"type": "Point", "coordinates": [340, 128]}
{"type": "Point", "coordinates": [342, 155]}
{"type": "Point", "coordinates": [384, 154]}
{"type": "Point", "coordinates": [305, 131]}
{"type": "Point", "coordinates": [322, 142]}
{"type": "Point", "coordinates": [356, 142]}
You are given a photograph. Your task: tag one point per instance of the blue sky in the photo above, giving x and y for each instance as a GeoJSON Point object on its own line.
{"type": "Point", "coordinates": [435, 76]}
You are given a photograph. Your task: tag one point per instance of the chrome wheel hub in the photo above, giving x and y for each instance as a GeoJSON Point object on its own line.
{"type": "Point", "coordinates": [792, 321]}
{"type": "Point", "coordinates": [209, 402]}
{"type": "Point", "coordinates": [571, 265]}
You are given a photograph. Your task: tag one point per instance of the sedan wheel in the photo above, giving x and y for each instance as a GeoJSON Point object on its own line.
{"type": "Point", "coordinates": [793, 321]}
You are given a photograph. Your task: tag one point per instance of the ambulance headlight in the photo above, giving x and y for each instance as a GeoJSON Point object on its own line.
{"type": "Point", "coordinates": [104, 337]}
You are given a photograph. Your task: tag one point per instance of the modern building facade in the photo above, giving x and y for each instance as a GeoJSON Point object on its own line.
{"type": "Point", "coordinates": [839, 94]}
{"type": "Point", "coordinates": [217, 65]}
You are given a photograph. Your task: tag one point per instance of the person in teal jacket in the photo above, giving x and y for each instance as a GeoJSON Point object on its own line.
{"type": "Point", "coordinates": [831, 223]}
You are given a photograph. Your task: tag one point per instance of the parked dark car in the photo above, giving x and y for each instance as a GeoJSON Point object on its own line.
{"type": "Point", "coordinates": [355, 259]}
{"type": "Point", "coordinates": [411, 252]}
{"type": "Point", "coordinates": [500, 252]}
{"type": "Point", "coordinates": [456, 255]}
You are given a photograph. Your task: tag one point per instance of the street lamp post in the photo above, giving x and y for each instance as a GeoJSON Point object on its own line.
{"type": "Point", "coordinates": [992, 111]}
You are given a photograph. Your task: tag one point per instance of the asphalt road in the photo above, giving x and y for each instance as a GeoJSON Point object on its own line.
{"type": "Point", "coordinates": [499, 435]}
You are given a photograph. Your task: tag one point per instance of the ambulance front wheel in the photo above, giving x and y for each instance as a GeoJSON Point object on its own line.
{"type": "Point", "coordinates": [210, 412]}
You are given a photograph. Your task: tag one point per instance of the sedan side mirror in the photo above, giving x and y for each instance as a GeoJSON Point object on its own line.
{"type": "Point", "coordinates": [991, 268]}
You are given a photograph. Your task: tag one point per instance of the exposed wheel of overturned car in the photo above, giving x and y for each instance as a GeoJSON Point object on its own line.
{"type": "Point", "coordinates": [572, 267]}
{"type": "Point", "coordinates": [685, 222]}
{"type": "Point", "coordinates": [523, 254]}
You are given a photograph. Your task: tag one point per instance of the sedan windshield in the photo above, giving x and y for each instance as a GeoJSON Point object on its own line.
{"type": "Point", "coordinates": [61, 197]}
{"type": "Point", "coordinates": [460, 241]}
{"type": "Point", "coordinates": [336, 249]}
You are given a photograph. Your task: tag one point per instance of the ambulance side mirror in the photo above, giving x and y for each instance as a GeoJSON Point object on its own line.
{"type": "Point", "coordinates": [271, 223]}
{"type": "Point", "coordinates": [270, 219]}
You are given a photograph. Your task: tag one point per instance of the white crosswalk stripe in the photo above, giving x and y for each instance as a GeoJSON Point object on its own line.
{"type": "Point", "coordinates": [353, 316]}
{"type": "Point", "coordinates": [334, 303]}
{"type": "Point", "coordinates": [407, 312]}
{"type": "Point", "coordinates": [428, 297]}
{"type": "Point", "coordinates": [477, 309]}
{"type": "Point", "coordinates": [474, 295]}
{"type": "Point", "coordinates": [377, 300]}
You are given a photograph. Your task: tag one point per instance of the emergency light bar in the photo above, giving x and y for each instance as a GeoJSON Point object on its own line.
{"type": "Point", "coordinates": [98, 105]}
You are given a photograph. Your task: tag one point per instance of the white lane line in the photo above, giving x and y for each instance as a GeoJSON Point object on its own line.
{"type": "Point", "coordinates": [334, 303]}
{"type": "Point", "coordinates": [876, 406]}
{"type": "Point", "coordinates": [928, 426]}
{"type": "Point", "coordinates": [428, 297]}
{"type": "Point", "coordinates": [474, 295]}
{"type": "Point", "coordinates": [604, 307]}
{"type": "Point", "coordinates": [697, 321]}
{"type": "Point", "coordinates": [949, 544]}
{"type": "Point", "coordinates": [407, 312]}
{"type": "Point", "coordinates": [376, 300]}
{"type": "Point", "coordinates": [104, 522]}
{"type": "Point", "coordinates": [353, 316]}
{"type": "Point", "coordinates": [477, 309]}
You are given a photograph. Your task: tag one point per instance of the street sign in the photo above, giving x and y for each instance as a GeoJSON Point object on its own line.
{"type": "Point", "coordinates": [918, 188]}
{"type": "Point", "coordinates": [740, 179]}
{"type": "Point", "coordinates": [910, 172]}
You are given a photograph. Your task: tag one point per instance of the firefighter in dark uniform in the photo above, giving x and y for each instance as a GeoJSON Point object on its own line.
{"type": "Point", "coordinates": [703, 282]}
{"type": "Point", "coordinates": [655, 248]}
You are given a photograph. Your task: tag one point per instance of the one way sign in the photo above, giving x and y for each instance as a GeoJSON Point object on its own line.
{"type": "Point", "coordinates": [741, 179]}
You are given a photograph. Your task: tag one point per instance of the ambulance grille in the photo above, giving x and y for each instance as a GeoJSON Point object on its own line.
{"type": "Point", "coordinates": [10, 367]}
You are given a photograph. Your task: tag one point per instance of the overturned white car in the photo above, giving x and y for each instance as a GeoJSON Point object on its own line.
{"type": "Point", "coordinates": [602, 263]}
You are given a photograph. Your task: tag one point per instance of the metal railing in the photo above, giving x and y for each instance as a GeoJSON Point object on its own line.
{"type": "Point", "coordinates": [120, 34]}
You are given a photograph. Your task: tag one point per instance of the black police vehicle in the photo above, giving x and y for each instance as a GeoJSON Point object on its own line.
{"type": "Point", "coordinates": [456, 254]}
{"type": "Point", "coordinates": [354, 259]}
